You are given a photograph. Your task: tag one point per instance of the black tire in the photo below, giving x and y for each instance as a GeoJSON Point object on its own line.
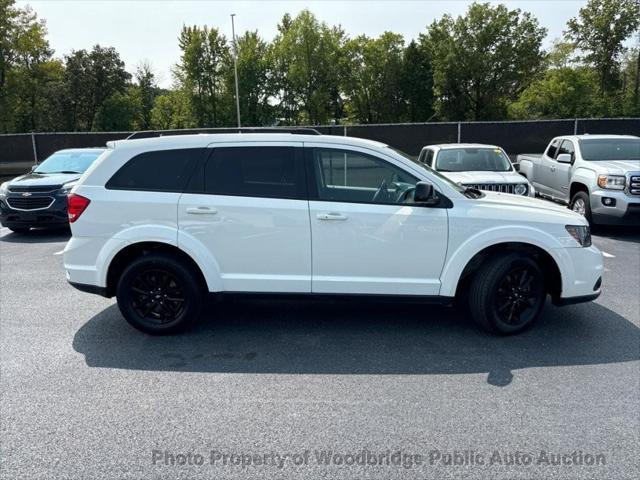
{"type": "Point", "coordinates": [579, 203]}
{"type": "Point", "coordinates": [19, 229]}
{"type": "Point", "coordinates": [160, 295]}
{"type": "Point", "coordinates": [507, 294]}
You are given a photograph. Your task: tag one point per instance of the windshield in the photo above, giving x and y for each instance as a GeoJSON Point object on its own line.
{"type": "Point", "coordinates": [473, 160]}
{"type": "Point", "coordinates": [610, 149]}
{"type": "Point", "coordinates": [68, 162]}
{"type": "Point", "coordinates": [453, 184]}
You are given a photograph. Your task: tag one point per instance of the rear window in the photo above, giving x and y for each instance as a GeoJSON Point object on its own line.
{"type": "Point", "coordinates": [255, 172]}
{"type": "Point", "coordinates": [158, 171]}
{"type": "Point", "coordinates": [610, 149]}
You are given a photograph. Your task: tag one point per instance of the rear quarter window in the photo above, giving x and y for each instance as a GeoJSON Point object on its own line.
{"type": "Point", "coordinates": [158, 171]}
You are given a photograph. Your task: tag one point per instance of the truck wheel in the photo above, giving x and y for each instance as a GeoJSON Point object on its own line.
{"type": "Point", "coordinates": [580, 204]}
{"type": "Point", "coordinates": [159, 295]}
{"type": "Point", "coordinates": [507, 294]}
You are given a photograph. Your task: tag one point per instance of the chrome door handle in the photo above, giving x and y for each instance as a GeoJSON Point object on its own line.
{"type": "Point", "coordinates": [331, 216]}
{"type": "Point", "coordinates": [202, 211]}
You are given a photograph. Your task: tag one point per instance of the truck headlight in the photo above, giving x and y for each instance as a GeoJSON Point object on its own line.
{"type": "Point", "coordinates": [520, 189]}
{"type": "Point", "coordinates": [580, 233]}
{"type": "Point", "coordinates": [66, 188]}
{"type": "Point", "coordinates": [4, 189]}
{"type": "Point", "coordinates": [611, 182]}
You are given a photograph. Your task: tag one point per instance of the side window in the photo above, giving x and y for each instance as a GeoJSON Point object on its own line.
{"type": "Point", "coordinates": [429, 159]}
{"type": "Point", "coordinates": [553, 148]}
{"type": "Point", "coordinates": [567, 147]}
{"type": "Point", "coordinates": [273, 172]}
{"type": "Point", "coordinates": [157, 171]}
{"type": "Point", "coordinates": [346, 176]}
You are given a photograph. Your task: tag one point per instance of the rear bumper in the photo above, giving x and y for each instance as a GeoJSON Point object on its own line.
{"type": "Point", "coordinates": [83, 287]}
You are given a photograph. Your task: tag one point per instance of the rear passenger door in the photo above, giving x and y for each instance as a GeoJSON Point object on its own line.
{"type": "Point", "coordinates": [247, 207]}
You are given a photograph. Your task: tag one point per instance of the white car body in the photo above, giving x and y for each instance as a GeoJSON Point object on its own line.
{"type": "Point", "coordinates": [503, 182]}
{"type": "Point", "coordinates": [252, 244]}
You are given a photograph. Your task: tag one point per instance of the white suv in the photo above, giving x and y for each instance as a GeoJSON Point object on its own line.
{"type": "Point", "coordinates": [160, 222]}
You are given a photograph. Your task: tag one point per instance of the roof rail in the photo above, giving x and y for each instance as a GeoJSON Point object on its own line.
{"type": "Point", "coordinates": [191, 131]}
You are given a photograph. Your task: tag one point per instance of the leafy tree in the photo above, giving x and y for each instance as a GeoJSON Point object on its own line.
{"type": "Point", "coordinates": [143, 94]}
{"type": "Point", "coordinates": [172, 110]}
{"type": "Point", "coordinates": [201, 71]}
{"type": "Point", "coordinates": [417, 83]}
{"type": "Point", "coordinates": [90, 79]}
{"type": "Point", "coordinates": [254, 71]}
{"type": "Point", "coordinates": [483, 60]}
{"type": "Point", "coordinates": [373, 80]}
{"type": "Point", "coordinates": [307, 57]}
{"type": "Point", "coordinates": [117, 113]}
{"type": "Point", "coordinates": [600, 30]}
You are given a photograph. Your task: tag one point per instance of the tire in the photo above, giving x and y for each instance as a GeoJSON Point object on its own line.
{"type": "Point", "coordinates": [581, 204]}
{"type": "Point", "coordinates": [159, 295]}
{"type": "Point", "coordinates": [504, 301]}
{"type": "Point", "coordinates": [19, 229]}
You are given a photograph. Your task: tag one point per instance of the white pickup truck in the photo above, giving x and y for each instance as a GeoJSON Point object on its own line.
{"type": "Point", "coordinates": [598, 176]}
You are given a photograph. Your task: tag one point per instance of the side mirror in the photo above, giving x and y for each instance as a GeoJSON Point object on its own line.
{"type": "Point", "coordinates": [424, 194]}
{"type": "Point", "coordinates": [564, 158]}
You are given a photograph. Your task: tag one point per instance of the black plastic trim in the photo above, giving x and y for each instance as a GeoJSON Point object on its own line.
{"type": "Point", "coordinates": [83, 287]}
{"type": "Point", "coordinates": [560, 302]}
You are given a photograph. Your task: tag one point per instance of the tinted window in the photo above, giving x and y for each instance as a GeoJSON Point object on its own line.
{"type": "Point", "coordinates": [159, 171]}
{"type": "Point", "coordinates": [68, 162]}
{"type": "Point", "coordinates": [429, 159]}
{"type": "Point", "coordinates": [255, 172]}
{"type": "Point", "coordinates": [553, 149]}
{"type": "Point", "coordinates": [346, 176]}
{"type": "Point", "coordinates": [610, 149]}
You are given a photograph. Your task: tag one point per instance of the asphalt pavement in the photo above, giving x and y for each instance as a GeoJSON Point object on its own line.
{"type": "Point", "coordinates": [283, 389]}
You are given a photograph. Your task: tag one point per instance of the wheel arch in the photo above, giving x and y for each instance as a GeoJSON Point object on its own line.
{"type": "Point", "coordinates": [577, 186]}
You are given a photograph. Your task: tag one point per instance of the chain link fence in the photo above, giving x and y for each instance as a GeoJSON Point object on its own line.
{"type": "Point", "coordinates": [18, 152]}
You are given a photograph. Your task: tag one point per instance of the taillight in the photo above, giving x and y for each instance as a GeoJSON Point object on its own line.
{"type": "Point", "coordinates": [76, 204]}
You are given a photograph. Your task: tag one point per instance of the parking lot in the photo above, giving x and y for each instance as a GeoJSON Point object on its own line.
{"type": "Point", "coordinates": [85, 396]}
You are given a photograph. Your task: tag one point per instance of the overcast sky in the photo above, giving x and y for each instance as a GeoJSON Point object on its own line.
{"type": "Point", "coordinates": [148, 30]}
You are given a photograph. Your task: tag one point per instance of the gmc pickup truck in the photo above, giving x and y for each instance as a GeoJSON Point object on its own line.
{"type": "Point", "coordinates": [598, 176]}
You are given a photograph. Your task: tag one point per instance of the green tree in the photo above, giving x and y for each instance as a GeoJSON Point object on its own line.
{"type": "Point", "coordinates": [254, 72]}
{"type": "Point", "coordinates": [143, 95]}
{"type": "Point", "coordinates": [90, 79]}
{"type": "Point", "coordinates": [417, 83]}
{"type": "Point", "coordinates": [373, 78]}
{"type": "Point", "coordinates": [201, 72]}
{"type": "Point", "coordinates": [600, 30]}
{"type": "Point", "coordinates": [306, 56]}
{"type": "Point", "coordinates": [483, 60]}
{"type": "Point", "coordinates": [172, 110]}
{"type": "Point", "coordinates": [119, 112]}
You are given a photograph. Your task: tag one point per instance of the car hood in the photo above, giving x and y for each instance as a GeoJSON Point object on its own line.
{"type": "Point", "coordinates": [615, 167]}
{"type": "Point", "coordinates": [519, 205]}
{"type": "Point", "coordinates": [466, 178]}
{"type": "Point", "coordinates": [37, 180]}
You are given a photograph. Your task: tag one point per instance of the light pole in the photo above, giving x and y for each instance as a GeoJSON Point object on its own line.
{"type": "Point", "coordinates": [235, 67]}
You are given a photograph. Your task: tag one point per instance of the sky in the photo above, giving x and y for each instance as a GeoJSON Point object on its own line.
{"type": "Point", "coordinates": [147, 30]}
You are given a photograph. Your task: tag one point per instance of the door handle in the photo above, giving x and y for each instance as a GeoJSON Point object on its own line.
{"type": "Point", "coordinates": [202, 211]}
{"type": "Point", "coordinates": [553, 168]}
{"type": "Point", "coordinates": [331, 216]}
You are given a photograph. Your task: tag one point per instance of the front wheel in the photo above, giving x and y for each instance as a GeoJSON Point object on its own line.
{"type": "Point", "coordinates": [507, 294]}
{"type": "Point", "coordinates": [580, 204]}
{"type": "Point", "coordinates": [159, 295]}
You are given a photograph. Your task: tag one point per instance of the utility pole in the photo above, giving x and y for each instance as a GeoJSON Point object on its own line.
{"type": "Point", "coordinates": [235, 67]}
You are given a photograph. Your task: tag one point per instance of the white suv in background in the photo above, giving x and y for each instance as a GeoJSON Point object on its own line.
{"type": "Point", "coordinates": [160, 222]}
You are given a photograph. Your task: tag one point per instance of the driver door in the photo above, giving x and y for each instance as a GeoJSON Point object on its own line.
{"type": "Point", "coordinates": [364, 239]}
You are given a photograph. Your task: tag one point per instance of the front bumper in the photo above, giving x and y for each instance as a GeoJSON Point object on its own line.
{"type": "Point", "coordinates": [625, 212]}
{"type": "Point", "coordinates": [582, 270]}
{"type": "Point", "coordinates": [54, 215]}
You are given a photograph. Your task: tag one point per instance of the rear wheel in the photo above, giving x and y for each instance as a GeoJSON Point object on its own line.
{"type": "Point", "coordinates": [580, 204]}
{"type": "Point", "coordinates": [507, 294]}
{"type": "Point", "coordinates": [159, 295]}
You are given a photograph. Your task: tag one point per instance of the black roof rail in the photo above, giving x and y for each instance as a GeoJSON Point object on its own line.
{"type": "Point", "coordinates": [191, 131]}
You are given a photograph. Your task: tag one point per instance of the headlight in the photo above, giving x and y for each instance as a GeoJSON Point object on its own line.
{"type": "Point", "coordinates": [4, 189]}
{"type": "Point", "coordinates": [611, 182]}
{"type": "Point", "coordinates": [580, 233]}
{"type": "Point", "coordinates": [521, 189]}
{"type": "Point", "coordinates": [66, 188]}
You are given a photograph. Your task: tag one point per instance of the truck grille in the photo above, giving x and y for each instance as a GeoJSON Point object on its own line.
{"type": "Point", "coordinates": [29, 203]}
{"type": "Point", "coordinates": [496, 187]}
{"type": "Point", "coordinates": [634, 185]}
